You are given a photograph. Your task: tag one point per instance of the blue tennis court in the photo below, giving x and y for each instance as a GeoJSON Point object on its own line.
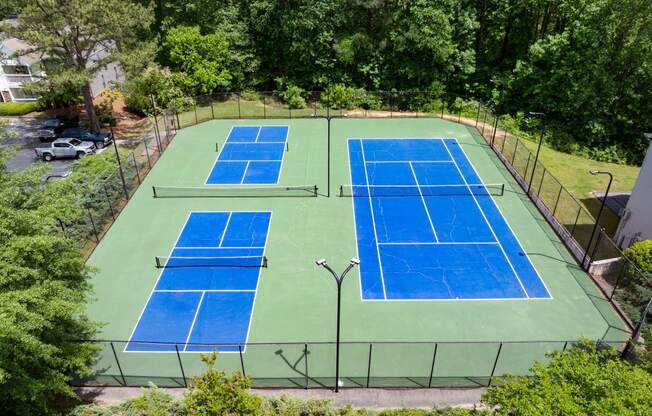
{"type": "Point", "coordinates": [205, 293]}
{"type": "Point", "coordinates": [251, 155]}
{"type": "Point", "coordinates": [427, 228]}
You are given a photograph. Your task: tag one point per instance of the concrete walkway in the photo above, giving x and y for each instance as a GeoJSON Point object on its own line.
{"type": "Point", "coordinates": [357, 398]}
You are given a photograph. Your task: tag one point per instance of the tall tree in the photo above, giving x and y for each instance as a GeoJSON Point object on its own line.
{"type": "Point", "coordinates": [79, 37]}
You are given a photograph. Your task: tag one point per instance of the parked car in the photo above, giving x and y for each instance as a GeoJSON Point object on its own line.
{"type": "Point", "coordinates": [66, 147]}
{"type": "Point", "coordinates": [53, 127]}
{"type": "Point", "coordinates": [99, 139]}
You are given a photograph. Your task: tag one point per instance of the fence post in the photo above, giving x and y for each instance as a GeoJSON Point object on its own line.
{"type": "Point", "coordinates": [595, 247]}
{"type": "Point", "coordinates": [527, 165]}
{"type": "Point", "coordinates": [459, 115]}
{"type": "Point", "coordinates": [133, 157]}
{"type": "Point", "coordinates": [543, 174]}
{"type": "Point", "coordinates": [212, 110]}
{"type": "Point", "coordinates": [617, 283]}
{"type": "Point", "coordinates": [108, 199]}
{"type": "Point", "coordinates": [264, 106]}
{"type": "Point", "coordinates": [149, 162]}
{"type": "Point", "coordinates": [493, 370]}
{"type": "Point", "coordinates": [305, 359]}
{"type": "Point", "coordinates": [565, 346]}
{"type": "Point", "coordinates": [369, 364]}
{"type": "Point", "coordinates": [504, 140]}
{"type": "Point", "coordinates": [577, 217]}
{"type": "Point", "coordinates": [194, 104]}
{"type": "Point", "coordinates": [122, 376]}
{"type": "Point", "coordinates": [90, 215]}
{"type": "Point", "coordinates": [432, 366]}
{"type": "Point", "coordinates": [557, 201]}
{"type": "Point", "coordinates": [183, 373]}
{"type": "Point", "coordinates": [177, 115]}
{"type": "Point", "coordinates": [443, 104]}
{"type": "Point", "coordinates": [514, 155]}
{"type": "Point", "coordinates": [477, 118]}
{"type": "Point", "coordinates": [239, 111]}
{"type": "Point", "coordinates": [242, 367]}
{"type": "Point", "coordinates": [493, 136]}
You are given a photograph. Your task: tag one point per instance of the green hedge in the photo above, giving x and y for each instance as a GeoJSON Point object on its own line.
{"type": "Point", "coordinates": [18, 109]}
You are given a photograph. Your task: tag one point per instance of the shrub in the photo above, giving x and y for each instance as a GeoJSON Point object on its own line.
{"type": "Point", "coordinates": [290, 94]}
{"type": "Point", "coordinates": [19, 108]}
{"type": "Point", "coordinates": [338, 96]}
{"type": "Point", "coordinates": [154, 81]}
{"type": "Point", "coordinates": [641, 254]}
{"type": "Point", "coordinates": [249, 95]}
{"type": "Point", "coordinates": [215, 393]}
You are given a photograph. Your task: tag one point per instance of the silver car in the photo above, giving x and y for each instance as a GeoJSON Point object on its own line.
{"type": "Point", "coordinates": [65, 148]}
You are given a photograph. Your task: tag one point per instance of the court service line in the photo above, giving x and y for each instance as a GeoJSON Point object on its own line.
{"type": "Point", "coordinates": [226, 226]}
{"type": "Point", "coordinates": [373, 218]}
{"type": "Point", "coordinates": [425, 206]}
{"type": "Point", "coordinates": [214, 247]}
{"type": "Point", "coordinates": [502, 249]}
{"type": "Point", "coordinates": [410, 161]}
{"type": "Point", "coordinates": [194, 319]}
{"type": "Point", "coordinates": [151, 293]}
{"type": "Point", "coordinates": [255, 143]}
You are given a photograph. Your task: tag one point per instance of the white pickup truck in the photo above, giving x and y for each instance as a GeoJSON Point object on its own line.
{"type": "Point", "coordinates": [62, 148]}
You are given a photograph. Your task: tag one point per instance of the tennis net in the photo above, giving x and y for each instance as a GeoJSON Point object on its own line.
{"type": "Point", "coordinates": [198, 261]}
{"type": "Point", "coordinates": [268, 191]}
{"type": "Point", "coordinates": [379, 191]}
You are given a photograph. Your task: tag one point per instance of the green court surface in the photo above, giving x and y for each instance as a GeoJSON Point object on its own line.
{"type": "Point", "coordinates": [393, 344]}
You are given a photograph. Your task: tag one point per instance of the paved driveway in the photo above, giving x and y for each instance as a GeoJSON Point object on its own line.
{"type": "Point", "coordinates": [23, 135]}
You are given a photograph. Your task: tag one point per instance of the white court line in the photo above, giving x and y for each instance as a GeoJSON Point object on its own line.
{"type": "Point", "coordinates": [226, 226]}
{"type": "Point", "coordinates": [409, 161]}
{"type": "Point", "coordinates": [285, 147]}
{"type": "Point", "coordinates": [259, 143]}
{"type": "Point", "coordinates": [156, 284]}
{"type": "Point", "coordinates": [251, 160]}
{"type": "Point", "coordinates": [244, 174]}
{"type": "Point", "coordinates": [355, 224]}
{"type": "Point", "coordinates": [202, 290]}
{"type": "Point", "coordinates": [487, 221]}
{"type": "Point", "coordinates": [260, 128]}
{"type": "Point", "coordinates": [450, 243]}
{"type": "Point", "coordinates": [194, 319]}
{"type": "Point", "coordinates": [416, 180]}
{"type": "Point", "coordinates": [253, 302]}
{"type": "Point", "coordinates": [214, 247]}
{"type": "Point", "coordinates": [543, 282]}
{"type": "Point", "coordinates": [373, 219]}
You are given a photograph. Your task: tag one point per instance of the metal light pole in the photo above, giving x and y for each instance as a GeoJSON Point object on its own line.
{"type": "Point", "coordinates": [338, 279]}
{"type": "Point", "coordinates": [536, 158]}
{"type": "Point", "coordinates": [117, 156]}
{"type": "Point", "coordinates": [597, 219]}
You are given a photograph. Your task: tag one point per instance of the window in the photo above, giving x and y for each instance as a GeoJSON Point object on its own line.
{"type": "Point", "coordinates": [15, 69]}
{"type": "Point", "coordinates": [20, 93]}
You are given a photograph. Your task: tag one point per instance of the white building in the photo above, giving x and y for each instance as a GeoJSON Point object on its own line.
{"type": "Point", "coordinates": [14, 72]}
{"type": "Point", "coordinates": [636, 222]}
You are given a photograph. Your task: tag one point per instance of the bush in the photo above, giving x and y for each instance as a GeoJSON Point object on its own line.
{"type": "Point", "coordinates": [290, 94]}
{"type": "Point", "coordinates": [19, 108]}
{"type": "Point", "coordinates": [215, 393]}
{"type": "Point", "coordinates": [641, 254]}
{"type": "Point", "coordinates": [339, 96]}
{"type": "Point", "coordinates": [154, 81]}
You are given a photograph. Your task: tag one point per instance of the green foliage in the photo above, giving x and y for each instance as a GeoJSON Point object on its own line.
{"type": "Point", "coordinates": [58, 91]}
{"type": "Point", "coordinates": [641, 254]}
{"type": "Point", "coordinates": [43, 291]}
{"type": "Point", "coordinates": [341, 96]}
{"type": "Point", "coordinates": [585, 380]}
{"type": "Point", "coordinates": [153, 81]}
{"type": "Point", "coordinates": [93, 26]}
{"type": "Point", "coordinates": [215, 393]}
{"type": "Point", "coordinates": [19, 108]}
{"type": "Point", "coordinates": [153, 402]}
{"type": "Point", "coordinates": [203, 59]}
{"type": "Point", "coordinates": [291, 94]}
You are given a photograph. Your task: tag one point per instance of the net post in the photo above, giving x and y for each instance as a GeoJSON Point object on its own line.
{"type": "Point", "coordinates": [217, 147]}
{"type": "Point", "coordinates": [502, 189]}
{"type": "Point", "coordinates": [265, 261]}
{"type": "Point", "coordinates": [305, 362]}
{"type": "Point", "coordinates": [122, 376]}
{"type": "Point", "coordinates": [287, 146]}
{"type": "Point", "coordinates": [493, 370]}
{"type": "Point", "coordinates": [154, 191]}
{"type": "Point", "coordinates": [157, 261]}
{"type": "Point", "coordinates": [242, 367]}
{"type": "Point", "coordinates": [432, 366]}
{"type": "Point", "coordinates": [369, 364]}
{"type": "Point", "coordinates": [183, 373]}
{"type": "Point", "coordinates": [341, 191]}
{"type": "Point", "coordinates": [315, 189]}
